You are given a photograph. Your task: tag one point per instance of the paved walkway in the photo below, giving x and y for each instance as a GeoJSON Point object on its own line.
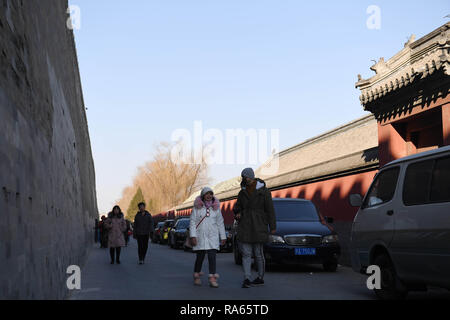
{"type": "Point", "coordinates": [167, 275]}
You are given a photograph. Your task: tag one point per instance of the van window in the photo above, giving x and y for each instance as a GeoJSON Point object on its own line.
{"type": "Point", "coordinates": [440, 184]}
{"type": "Point", "coordinates": [416, 188]}
{"type": "Point", "coordinates": [383, 188]}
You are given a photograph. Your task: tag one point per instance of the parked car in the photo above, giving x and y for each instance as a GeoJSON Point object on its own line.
{"type": "Point", "coordinates": [403, 224]}
{"type": "Point", "coordinates": [168, 224]}
{"type": "Point", "coordinates": [157, 234]}
{"type": "Point", "coordinates": [303, 236]}
{"type": "Point", "coordinates": [227, 247]}
{"type": "Point", "coordinates": [177, 234]}
{"type": "Point", "coordinates": [187, 235]}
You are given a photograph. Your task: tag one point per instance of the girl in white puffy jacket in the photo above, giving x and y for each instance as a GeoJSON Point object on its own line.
{"type": "Point", "coordinates": [207, 233]}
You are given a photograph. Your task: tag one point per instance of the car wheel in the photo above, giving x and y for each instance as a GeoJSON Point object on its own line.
{"type": "Point", "coordinates": [389, 280]}
{"type": "Point", "coordinates": [330, 266]}
{"type": "Point", "coordinates": [237, 256]}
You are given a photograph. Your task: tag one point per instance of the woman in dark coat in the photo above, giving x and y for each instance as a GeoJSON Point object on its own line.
{"type": "Point", "coordinates": [256, 216]}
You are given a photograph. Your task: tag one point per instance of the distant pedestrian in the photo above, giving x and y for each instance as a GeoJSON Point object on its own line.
{"type": "Point", "coordinates": [255, 214]}
{"type": "Point", "coordinates": [96, 231]}
{"type": "Point", "coordinates": [115, 224]}
{"type": "Point", "coordinates": [207, 233]}
{"type": "Point", "coordinates": [142, 230]}
{"type": "Point", "coordinates": [126, 234]}
{"type": "Point", "coordinates": [103, 233]}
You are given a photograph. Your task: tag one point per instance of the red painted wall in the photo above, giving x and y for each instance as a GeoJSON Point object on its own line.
{"type": "Point", "coordinates": [431, 122]}
{"type": "Point", "coordinates": [391, 144]}
{"type": "Point", "coordinates": [446, 123]}
{"type": "Point", "coordinates": [330, 196]}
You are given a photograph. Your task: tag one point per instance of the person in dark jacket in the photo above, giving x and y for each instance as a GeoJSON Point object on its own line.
{"type": "Point", "coordinates": [96, 231]}
{"type": "Point", "coordinates": [143, 229]}
{"type": "Point", "coordinates": [103, 233]}
{"type": "Point", "coordinates": [255, 214]}
{"type": "Point", "coordinates": [126, 234]}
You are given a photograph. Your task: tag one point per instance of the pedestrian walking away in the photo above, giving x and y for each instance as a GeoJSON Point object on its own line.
{"type": "Point", "coordinates": [103, 233]}
{"type": "Point", "coordinates": [126, 234]}
{"type": "Point", "coordinates": [115, 224]}
{"type": "Point", "coordinates": [207, 233]}
{"type": "Point", "coordinates": [255, 215]}
{"type": "Point", "coordinates": [96, 231]}
{"type": "Point", "coordinates": [143, 230]}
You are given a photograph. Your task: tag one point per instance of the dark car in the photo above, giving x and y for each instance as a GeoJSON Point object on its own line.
{"type": "Point", "coordinates": [177, 235]}
{"type": "Point", "coordinates": [157, 234]}
{"type": "Point", "coordinates": [302, 236]}
{"type": "Point", "coordinates": [227, 247]}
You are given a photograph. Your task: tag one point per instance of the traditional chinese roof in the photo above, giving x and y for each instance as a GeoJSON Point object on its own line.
{"type": "Point", "coordinates": [347, 149]}
{"type": "Point", "coordinates": [417, 61]}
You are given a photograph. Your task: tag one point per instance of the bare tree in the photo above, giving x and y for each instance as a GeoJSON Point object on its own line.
{"type": "Point", "coordinates": [168, 180]}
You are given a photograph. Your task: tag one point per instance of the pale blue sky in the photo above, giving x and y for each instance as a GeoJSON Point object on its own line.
{"type": "Point", "coordinates": [151, 67]}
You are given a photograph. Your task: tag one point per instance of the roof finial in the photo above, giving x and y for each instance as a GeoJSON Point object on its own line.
{"type": "Point", "coordinates": [379, 66]}
{"type": "Point", "coordinates": [411, 39]}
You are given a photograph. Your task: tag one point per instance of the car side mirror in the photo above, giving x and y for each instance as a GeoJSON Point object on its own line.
{"type": "Point", "coordinates": [356, 200]}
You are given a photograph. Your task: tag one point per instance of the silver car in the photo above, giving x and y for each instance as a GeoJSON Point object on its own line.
{"type": "Point", "coordinates": [403, 224]}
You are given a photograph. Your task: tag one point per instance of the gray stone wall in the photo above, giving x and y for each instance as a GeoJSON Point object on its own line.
{"type": "Point", "coordinates": [47, 181]}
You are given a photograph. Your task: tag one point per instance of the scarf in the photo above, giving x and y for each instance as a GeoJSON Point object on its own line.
{"type": "Point", "coordinates": [209, 204]}
{"type": "Point", "coordinates": [251, 188]}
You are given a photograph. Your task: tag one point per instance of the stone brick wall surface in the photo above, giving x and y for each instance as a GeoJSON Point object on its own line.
{"type": "Point", "coordinates": [47, 181]}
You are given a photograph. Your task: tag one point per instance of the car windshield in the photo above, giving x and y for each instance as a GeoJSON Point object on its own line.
{"type": "Point", "coordinates": [295, 211]}
{"type": "Point", "coordinates": [182, 224]}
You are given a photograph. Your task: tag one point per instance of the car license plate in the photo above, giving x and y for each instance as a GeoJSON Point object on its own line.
{"type": "Point", "coordinates": [305, 251]}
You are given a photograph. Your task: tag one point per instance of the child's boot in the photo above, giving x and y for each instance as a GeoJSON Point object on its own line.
{"type": "Point", "coordinates": [213, 280]}
{"type": "Point", "coordinates": [197, 280]}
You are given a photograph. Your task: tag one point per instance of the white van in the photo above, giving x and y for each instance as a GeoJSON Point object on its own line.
{"type": "Point", "coordinates": [403, 224]}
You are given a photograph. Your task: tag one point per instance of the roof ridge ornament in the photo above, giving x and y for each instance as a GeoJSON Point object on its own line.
{"type": "Point", "coordinates": [380, 66]}
{"type": "Point", "coordinates": [418, 60]}
{"type": "Point", "coordinates": [411, 39]}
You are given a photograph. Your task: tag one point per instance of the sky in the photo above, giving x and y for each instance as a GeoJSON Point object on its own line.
{"type": "Point", "coordinates": [150, 68]}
